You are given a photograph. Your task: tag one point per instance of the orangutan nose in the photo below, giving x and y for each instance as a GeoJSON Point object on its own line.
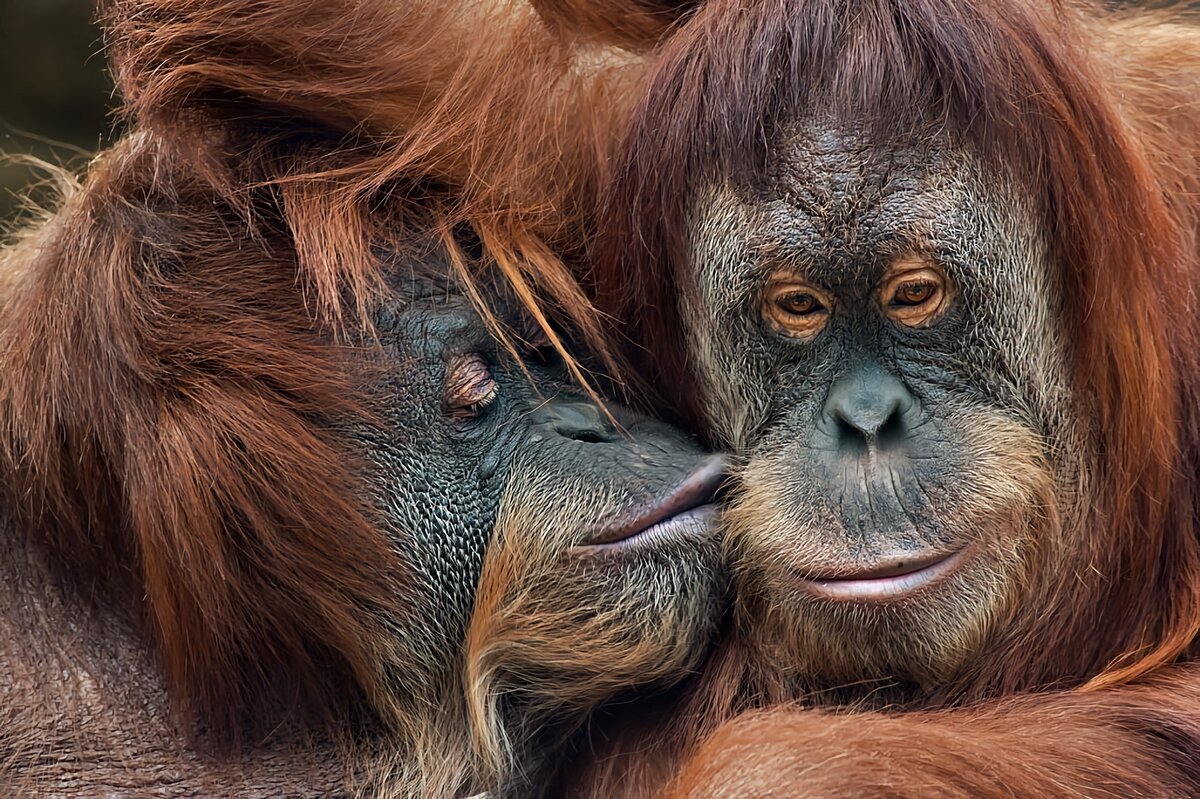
{"type": "Point", "coordinates": [868, 407]}
{"type": "Point", "coordinates": [579, 421]}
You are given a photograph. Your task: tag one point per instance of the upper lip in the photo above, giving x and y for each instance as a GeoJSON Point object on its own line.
{"type": "Point", "coordinates": [698, 488]}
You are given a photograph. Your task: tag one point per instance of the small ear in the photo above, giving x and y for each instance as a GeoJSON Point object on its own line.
{"type": "Point", "coordinates": [631, 24]}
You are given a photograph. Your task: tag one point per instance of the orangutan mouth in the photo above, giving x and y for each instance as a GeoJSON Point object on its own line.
{"type": "Point", "coordinates": [688, 511]}
{"type": "Point", "coordinates": [887, 580]}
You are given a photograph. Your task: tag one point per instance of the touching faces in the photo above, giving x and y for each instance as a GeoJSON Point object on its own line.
{"type": "Point", "coordinates": [877, 331]}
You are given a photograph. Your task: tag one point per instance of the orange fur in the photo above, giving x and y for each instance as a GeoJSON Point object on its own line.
{"type": "Point", "coordinates": [1097, 111]}
{"type": "Point", "coordinates": [188, 451]}
{"type": "Point", "coordinates": [178, 336]}
{"type": "Point", "coordinates": [637, 24]}
{"type": "Point", "coordinates": [484, 98]}
{"type": "Point", "coordinates": [1140, 743]}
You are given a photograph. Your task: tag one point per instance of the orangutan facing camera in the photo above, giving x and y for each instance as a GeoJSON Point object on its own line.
{"type": "Point", "coordinates": [930, 269]}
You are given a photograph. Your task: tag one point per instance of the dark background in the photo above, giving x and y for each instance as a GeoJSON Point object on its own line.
{"type": "Point", "coordinates": [55, 95]}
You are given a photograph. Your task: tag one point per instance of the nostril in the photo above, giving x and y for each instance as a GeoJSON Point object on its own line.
{"type": "Point", "coordinates": [578, 422]}
{"type": "Point", "coordinates": [869, 406]}
{"type": "Point", "coordinates": [869, 417]}
{"type": "Point", "coordinates": [894, 428]}
{"type": "Point", "coordinates": [849, 434]}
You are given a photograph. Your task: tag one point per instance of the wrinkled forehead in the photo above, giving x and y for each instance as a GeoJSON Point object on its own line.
{"type": "Point", "coordinates": [426, 326]}
{"type": "Point", "coordinates": [430, 304]}
{"type": "Point", "coordinates": [837, 207]}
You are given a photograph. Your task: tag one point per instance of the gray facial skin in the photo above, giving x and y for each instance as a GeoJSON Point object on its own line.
{"type": "Point", "coordinates": [447, 476]}
{"type": "Point", "coordinates": [915, 451]}
{"type": "Point", "coordinates": [556, 560]}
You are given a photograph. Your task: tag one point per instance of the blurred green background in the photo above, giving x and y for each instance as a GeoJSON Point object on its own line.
{"type": "Point", "coordinates": [55, 94]}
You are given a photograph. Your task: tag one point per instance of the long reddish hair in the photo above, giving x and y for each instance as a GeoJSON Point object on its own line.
{"type": "Point", "coordinates": [180, 338]}
{"type": "Point", "coordinates": [1044, 89]}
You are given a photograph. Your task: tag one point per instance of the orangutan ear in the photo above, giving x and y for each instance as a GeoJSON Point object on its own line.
{"type": "Point", "coordinates": [631, 24]}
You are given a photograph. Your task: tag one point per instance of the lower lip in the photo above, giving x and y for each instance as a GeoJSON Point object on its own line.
{"type": "Point", "coordinates": [878, 589]}
{"type": "Point", "coordinates": [691, 526]}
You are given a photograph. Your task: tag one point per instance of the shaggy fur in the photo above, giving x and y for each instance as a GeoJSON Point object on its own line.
{"type": "Point", "coordinates": [184, 343]}
{"type": "Point", "coordinates": [1095, 115]}
{"type": "Point", "coordinates": [425, 95]}
{"type": "Point", "coordinates": [95, 297]}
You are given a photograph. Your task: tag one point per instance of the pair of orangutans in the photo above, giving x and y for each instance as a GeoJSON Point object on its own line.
{"type": "Point", "coordinates": [300, 405]}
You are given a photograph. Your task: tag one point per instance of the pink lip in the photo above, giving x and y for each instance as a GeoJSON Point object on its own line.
{"type": "Point", "coordinates": [694, 525]}
{"type": "Point", "coordinates": [686, 512]}
{"type": "Point", "coordinates": [885, 581]}
{"type": "Point", "coordinates": [698, 488]}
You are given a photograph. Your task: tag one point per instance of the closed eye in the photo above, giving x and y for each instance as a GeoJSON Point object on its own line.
{"type": "Point", "coordinates": [469, 387]}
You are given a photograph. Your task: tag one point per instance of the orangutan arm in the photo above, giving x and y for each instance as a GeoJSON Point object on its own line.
{"type": "Point", "coordinates": [1121, 742]}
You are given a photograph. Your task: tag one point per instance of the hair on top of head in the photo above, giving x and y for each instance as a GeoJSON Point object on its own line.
{"type": "Point", "coordinates": [1021, 82]}
{"type": "Point", "coordinates": [501, 119]}
{"type": "Point", "coordinates": [635, 24]}
{"type": "Point", "coordinates": [178, 337]}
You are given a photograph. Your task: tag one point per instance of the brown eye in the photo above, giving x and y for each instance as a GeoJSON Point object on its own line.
{"type": "Point", "coordinates": [796, 308]}
{"type": "Point", "coordinates": [799, 303]}
{"type": "Point", "coordinates": [915, 296]}
{"type": "Point", "coordinates": [469, 386]}
{"type": "Point", "coordinates": [914, 293]}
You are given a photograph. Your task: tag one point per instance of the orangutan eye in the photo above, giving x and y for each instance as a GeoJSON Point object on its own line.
{"type": "Point", "coordinates": [915, 295]}
{"type": "Point", "coordinates": [469, 386]}
{"type": "Point", "coordinates": [799, 303]}
{"type": "Point", "coordinates": [796, 308]}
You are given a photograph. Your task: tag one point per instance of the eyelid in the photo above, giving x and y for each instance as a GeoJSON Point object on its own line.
{"type": "Point", "coordinates": [799, 292]}
{"type": "Point", "coordinates": [924, 312]}
{"type": "Point", "coordinates": [469, 386]}
{"type": "Point", "coordinates": [803, 326]}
